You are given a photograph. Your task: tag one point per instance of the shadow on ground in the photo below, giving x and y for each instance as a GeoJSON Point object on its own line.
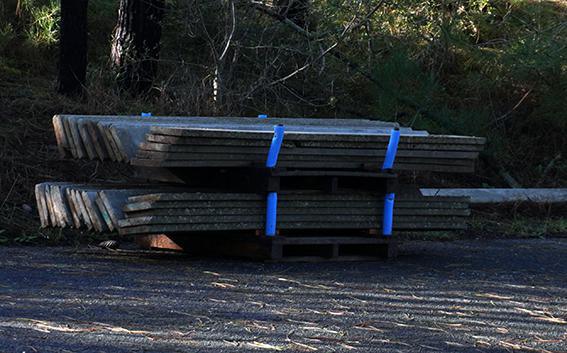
{"type": "Point", "coordinates": [462, 296]}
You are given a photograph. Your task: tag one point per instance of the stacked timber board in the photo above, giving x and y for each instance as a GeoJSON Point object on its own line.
{"type": "Point", "coordinates": [139, 210]}
{"type": "Point", "coordinates": [327, 179]}
{"type": "Point", "coordinates": [197, 147]}
{"type": "Point", "coordinates": [117, 138]}
{"type": "Point", "coordinates": [175, 142]}
{"type": "Point", "coordinates": [96, 207]}
{"type": "Point", "coordinates": [196, 212]}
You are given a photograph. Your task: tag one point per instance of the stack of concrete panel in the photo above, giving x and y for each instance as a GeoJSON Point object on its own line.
{"type": "Point", "coordinates": [149, 209]}
{"type": "Point", "coordinates": [327, 179]}
{"type": "Point", "coordinates": [177, 142]}
{"type": "Point", "coordinates": [195, 212]}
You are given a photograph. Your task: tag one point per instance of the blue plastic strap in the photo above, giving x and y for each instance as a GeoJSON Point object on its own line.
{"type": "Point", "coordinates": [263, 116]}
{"type": "Point", "coordinates": [145, 115]}
{"type": "Point", "coordinates": [271, 214]}
{"type": "Point", "coordinates": [274, 152]}
{"type": "Point", "coordinates": [392, 150]}
{"type": "Point", "coordinates": [387, 222]}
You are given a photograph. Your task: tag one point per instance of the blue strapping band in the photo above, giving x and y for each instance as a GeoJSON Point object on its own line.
{"type": "Point", "coordinates": [274, 152]}
{"type": "Point", "coordinates": [145, 115]}
{"type": "Point", "coordinates": [392, 150]}
{"type": "Point", "coordinates": [271, 214]}
{"type": "Point", "coordinates": [388, 221]}
{"type": "Point", "coordinates": [263, 116]}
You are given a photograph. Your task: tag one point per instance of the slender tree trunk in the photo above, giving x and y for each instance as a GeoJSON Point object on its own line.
{"type": "Point", "coordinates": [136, 43]}
{"type": "Point", "coordinates": [73, 46]}
{"type": "Point", "coordinates": [295, 10]}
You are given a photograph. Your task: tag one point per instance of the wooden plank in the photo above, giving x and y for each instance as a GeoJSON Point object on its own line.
{"type": "Point", "coordinates": [197, 141]}
{"type": "Point", "coordinates": [340, 135]}
{"type": "Point", "coordinates": [42, 205]}
{"type": "Point", "coordinates": [59, 129]}
{"type": "Point", "coordinates": [435, 168]}
{"type": "Point", "coordinates": [347, 221]}
{"type": "Point", "coordinates": [86, 139]}
{"type": "Point", "coordinates": [142, 206]}
{"type": "Point", "coordinates": [184, 164]}
{"type": "Point", "coordinates": [115, 200]}
{"type": "Point", "coordinates": [284, 196]}
{"type": "Point", "coordinates": [95, 215]}
{"type": "Point", "coordinates": [422, 146]}
{"type": "Point", "coordinates": [375, 153]}
{"type": "Point", "coordinates": [101, 129]}
{"type": "Point", "coordinates": [299, 165]}
{"type": "Point", "coordinates": [181, 141]}
{"type": "Point", "coordinates": [244, 121]}
{"type": "Point", "coordinates": [112, 149]}
{"type": "Point", "coordinates": [310, 240]}
{"type": "Point", "coordinates": [69, 137]}
{"type": "Point", "coordinates": [298, 211]}
{"type": "Point", "coordinates": [116, 143]}
{"type": "Point", "coordinates": [291, 158]}
{"type": "Point", "coordinates": [79, 149]}
{"type": "Point", "coordinates": [104, 213]}
{"type": "Point", "coordinates": [197, 196]}
{"type": "Point", "coordinates": [61, 207]}
{"type": "Point", "coordinates": [74, 209]}
{"type": "Point", "coordinates": [128, 140]}
{"type": "Point", "coordinates": [188, 228]}
{"type": "Point", "coordinates": [81, 209]}
{"type": "Point", "coordinates": [98, 142]}
{"type": "Point", "coordinates": [54, 214]}
{"type": "Point", "coordinates": [337, 173]}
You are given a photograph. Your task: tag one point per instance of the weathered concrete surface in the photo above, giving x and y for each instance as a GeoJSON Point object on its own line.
{"type": "Point", "coordinates": [503, 195]}
{"type": "Point", "coordinates": [462, 296]}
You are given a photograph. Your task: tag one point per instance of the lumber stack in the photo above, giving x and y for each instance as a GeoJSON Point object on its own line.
{"type": "Point", "coordinates": [147, 209]}
{"type": "Point", "coordinates": [194, 212]}
{"type": "Point", "coordinates": [96, 207]}
{"type": "Point", "coordinates": [117, 138]}
{"type": "Point", "coordinates": [174, 142]}
{"type": "Point", "coordinates": [328, 180]}
{"type": "Point", "coordinates": [193, 147]}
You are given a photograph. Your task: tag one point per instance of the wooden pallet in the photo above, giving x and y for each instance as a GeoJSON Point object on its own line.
{"type": "Point", "coordinates": [290, 248]}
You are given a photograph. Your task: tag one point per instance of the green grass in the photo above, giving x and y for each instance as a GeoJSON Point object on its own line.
{"type": "Point", "coordinates": [518, 225]}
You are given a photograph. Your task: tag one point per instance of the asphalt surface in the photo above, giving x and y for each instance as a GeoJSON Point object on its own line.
{"type": "Point", "coordinates": [461, 296]}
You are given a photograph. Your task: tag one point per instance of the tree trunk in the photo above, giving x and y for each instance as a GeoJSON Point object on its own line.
{"type": "Point", "coordinates": [136, 43]}
{"type": "Point", "coordinates": [295, 10]}
{"type": "Point", "coordinates": [73, 46]}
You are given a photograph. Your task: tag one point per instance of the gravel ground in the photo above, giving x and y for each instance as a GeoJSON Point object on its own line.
{"type": "Point", "coordinates": [460, 296]}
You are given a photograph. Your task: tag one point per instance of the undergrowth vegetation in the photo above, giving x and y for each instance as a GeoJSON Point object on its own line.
{"type": "Point", "coordinates": [494, 68]}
